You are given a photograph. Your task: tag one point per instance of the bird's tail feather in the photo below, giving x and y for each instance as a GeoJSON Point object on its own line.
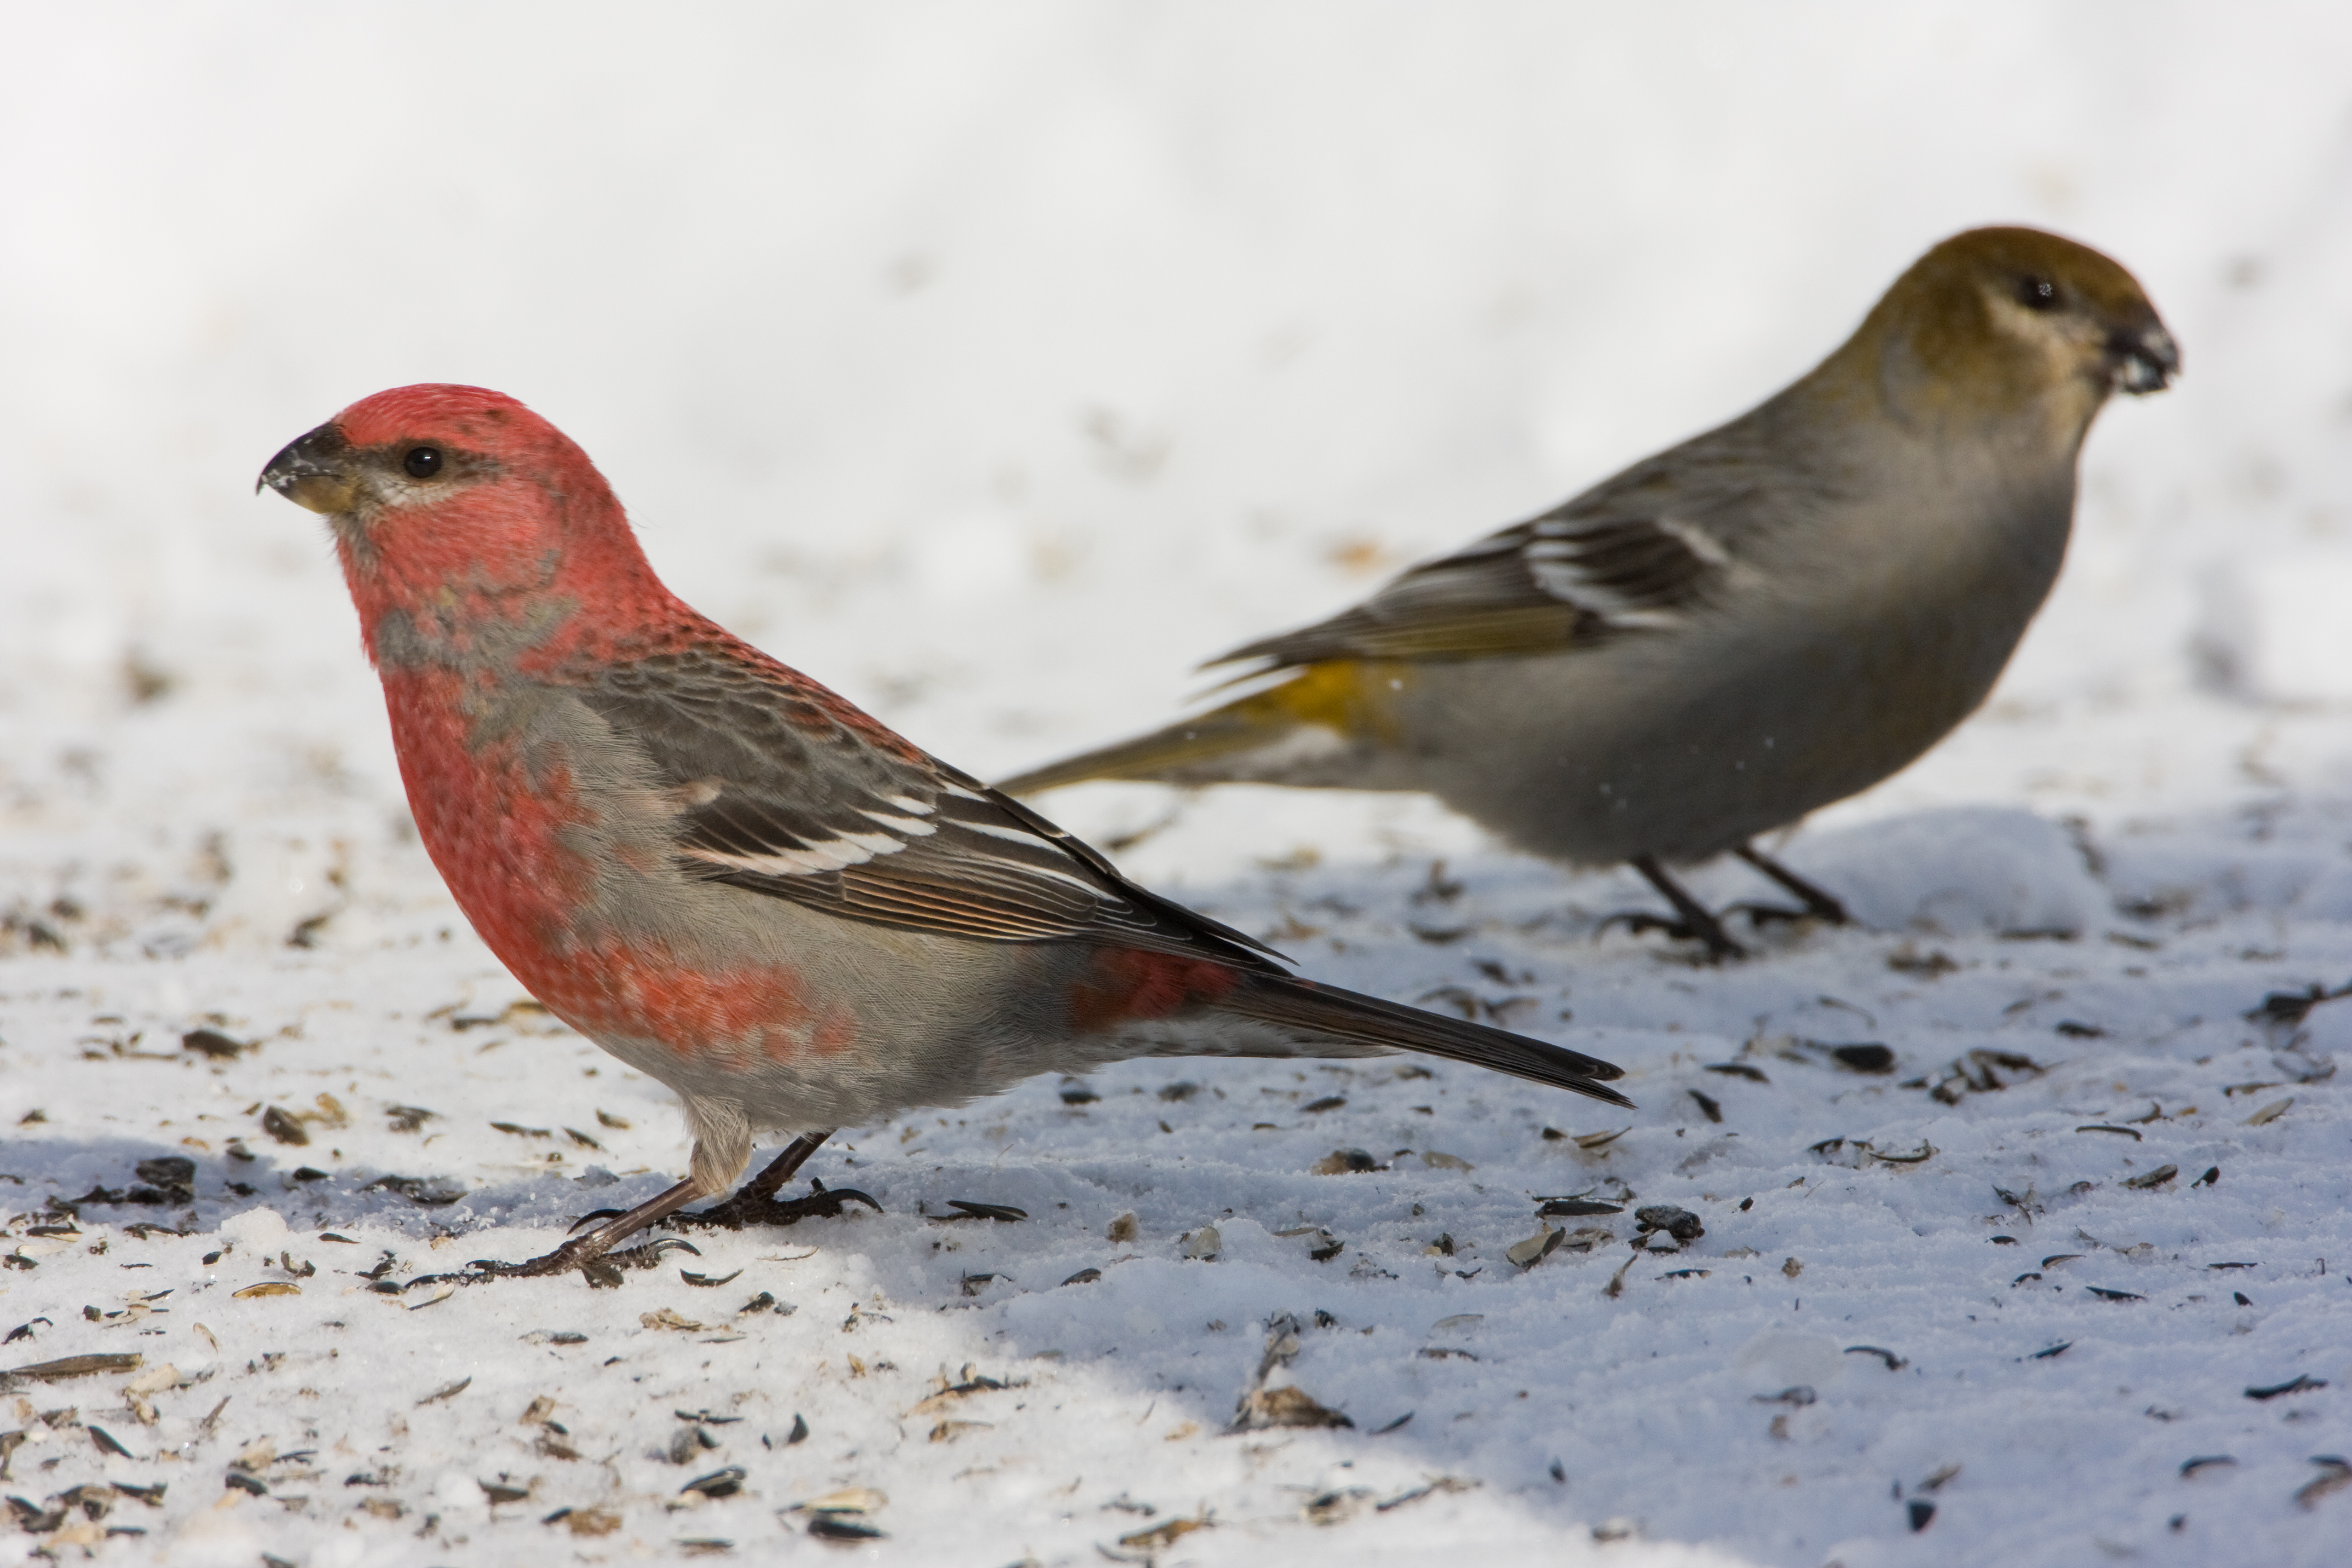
{"type": "Point", "coordinates": [1293, 731]}
{"type": "Point", "coordinates": [1191, 751]}
{"type": "Point", "coordinates": [1356, 1019]}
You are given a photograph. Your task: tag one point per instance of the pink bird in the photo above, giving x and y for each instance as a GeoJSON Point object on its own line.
{"type": "Point", "coordinates": [724, 874]}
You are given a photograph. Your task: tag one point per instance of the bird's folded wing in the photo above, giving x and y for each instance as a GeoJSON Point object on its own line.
{"type": "Point", "coordinates": [1594, 569]}
{"type": "Point", "coordinates": [783, 789]}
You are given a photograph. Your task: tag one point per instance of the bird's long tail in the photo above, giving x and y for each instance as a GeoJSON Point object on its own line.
{"type": "Point", "coordinates": [1295, 733]}
{"type": "Point", "coordinates": [1349, 1018]}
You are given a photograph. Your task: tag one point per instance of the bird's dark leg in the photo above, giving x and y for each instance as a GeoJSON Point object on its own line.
{"type": "Point", "coordinates": [756, 1202]}
{"type": "Point", "coordinates": [1693, 922]}
{"type": "Point", "coordinates": [1818, 904]}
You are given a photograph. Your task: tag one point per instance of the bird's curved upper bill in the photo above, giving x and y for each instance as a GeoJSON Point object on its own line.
{"type": "Point", "coordinates": [2144, 360]}
{"type": "Point", "coordinates": [314, 471]}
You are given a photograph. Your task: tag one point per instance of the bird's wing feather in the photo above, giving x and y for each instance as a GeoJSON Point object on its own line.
{"type": "Point", "coordinates": [1630, 556]}
{"type": "Point", "coordinates": [781, 788]}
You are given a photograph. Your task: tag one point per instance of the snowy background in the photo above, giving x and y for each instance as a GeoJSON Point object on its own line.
{"type": "Point", "coordinates": [996, 365]}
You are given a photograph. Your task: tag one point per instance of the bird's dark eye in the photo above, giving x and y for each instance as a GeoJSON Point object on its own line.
{"type": "Point", "coordinates": [423, 462]}
{"type": "Point", "coordinates": [2037, 293]}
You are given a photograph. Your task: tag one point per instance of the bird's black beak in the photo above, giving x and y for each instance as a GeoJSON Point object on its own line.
{"type": "Point", "coordinates": [315, 472]}
{"type": "Point", "coordinates": [2143, 359]}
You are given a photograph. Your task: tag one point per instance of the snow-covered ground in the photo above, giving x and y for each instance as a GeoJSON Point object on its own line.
{"type": "Point", "coordinates": [996, 365]}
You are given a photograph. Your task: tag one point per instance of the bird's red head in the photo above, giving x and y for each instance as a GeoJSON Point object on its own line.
{"type": "Point", "coordinates": [460, 505]}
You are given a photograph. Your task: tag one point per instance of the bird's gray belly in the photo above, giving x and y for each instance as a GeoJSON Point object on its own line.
{"type": "Point", "coordinates": [1681, 747]}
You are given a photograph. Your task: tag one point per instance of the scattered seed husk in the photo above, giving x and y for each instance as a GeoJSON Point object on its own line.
{"type": "Point", "coordinates": [718, 1483]}
{"type": "Point", "coordinates": [446, 1391]}
{"type": "Point", "coordinates": [1709, 1107]}
{"type": "Point", "coordinates": [2291, 1006]}
{"type": "Point", "coordinates": [268, 1288]}
{"type": "Point", "coordinates": [1534, 1248]}
{"type": "Point", "coordinates": [1163, 1535]}
{"type": "Point", "coordinates": [709, 1283]}
{"type": "Point", "coordinates": [2270, 1112]}
{"type": "Point", "coordinates": [1335, 1508]}
{"type": "Point", "coordinates": [843, 1527]}
{"type": "Point", "coordinates": [948, 1431]}
{"type": "Point", "coordinates": [1569, 1208]}
{"type": "Point", "coordinates": [499, 1491]}
{"type": "Point", "coordinates": [590, 1521]}
{"type": "Point", "coordinates": [74, 1366]}
{"type": "Point", "coordinates": [1003, 1213]}
{"type": "Point", "coordinates": [1435, 1485]}
{"type": "Point", "coordinates": [1285, 1407]}
{"type": "Point", "coordinates": [1922, 1513]}
{"type": "Point", "coordinates": [1592, 1141]}
{"type": "Point", "coordinates": [2104, 1294]}
{"type": "Point", "coordinates": [667, 1319]}
{"type": "Point", "coordinates": [1084, 1277]}
{"type": "Point", "coordinates": [1344, 1161]}
{"type": "Point", "coordinates": [1894, 1363]}
{"type": "Point", "coordinates": [154, 1380]}
{"type": "Point", "coordinates": [2335, 1474]}
{"type": "Point", "coordinates": [2303, 1383]}
{"type": "Point", "coordinates": [2155, 1178]}
{"type": "Point", "coordinates": [1679, 1223]}
{"type": "Point", "coordinates": [423, 1191]}
{"type": "Point", "coordinates": [1739, 1070]}
{"type": "Point", "coordinates": [281, 1126]}
{"type": "Point", "coordinates": [2191, 1466]}
{"type": "Point", "coordinates": [214, 1044]}
{"type": "Point", "coordinates": [1436, 1161]}
{"type": "Point", "coordinates": [2131, 1133]}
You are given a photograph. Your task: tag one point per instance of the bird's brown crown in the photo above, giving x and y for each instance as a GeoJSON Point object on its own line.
{"type": "Point", "coordinates": [1997, 323]}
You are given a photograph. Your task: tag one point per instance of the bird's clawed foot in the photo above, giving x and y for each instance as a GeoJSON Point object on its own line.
{"type": "Point", "coordinates": [750, 1206]}
{"type": "Point", "coordinates": [1762, 915]}
{"type": "Point", "coordinates": [593, 1254]}
{"type": "Point", "coordinates": [602, 1268]}
{"type": "Point", "coordinates": [1706, 929]}
{"type": "Point", "coordinates": [1693, 921]}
